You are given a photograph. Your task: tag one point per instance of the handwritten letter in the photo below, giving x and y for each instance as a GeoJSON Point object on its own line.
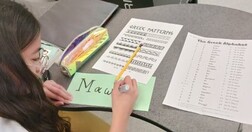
{"type": "Point", "coordinates": [96, 89]}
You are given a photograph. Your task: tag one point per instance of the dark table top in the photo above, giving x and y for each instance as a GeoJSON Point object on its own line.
{"type": "Point", "coordinates": [203, 20]}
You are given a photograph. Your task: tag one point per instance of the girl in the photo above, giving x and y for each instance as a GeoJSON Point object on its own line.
{"type": "Point", "coordinates": [24, 105]}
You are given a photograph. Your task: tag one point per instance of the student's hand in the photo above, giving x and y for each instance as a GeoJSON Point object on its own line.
{"type": "Point", "coordinates": [56, 93]}
{"type": "Point", "coordinates": [122, 104]}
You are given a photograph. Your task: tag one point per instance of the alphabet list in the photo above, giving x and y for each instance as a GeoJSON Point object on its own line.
{"type": "Point", "coordinates": [213, 77]}
{"type": "Point", "coordinates": [156, 38]}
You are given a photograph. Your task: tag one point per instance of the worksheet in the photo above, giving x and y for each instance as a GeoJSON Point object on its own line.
{"type": "Point", "coordinates": [156, 38]}
{"type": "Point", "coordinates": [213, 77]}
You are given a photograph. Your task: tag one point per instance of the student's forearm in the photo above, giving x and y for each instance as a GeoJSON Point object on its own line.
{"type": "Point", "coordinates": [119, 123]}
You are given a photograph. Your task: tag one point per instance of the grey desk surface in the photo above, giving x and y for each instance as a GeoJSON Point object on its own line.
{"type": "Point", "coordinates": [204, 20]}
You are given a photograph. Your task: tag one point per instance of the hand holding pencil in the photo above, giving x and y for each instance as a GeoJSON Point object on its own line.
{"type": "Point", "coordinates": [124, 96]}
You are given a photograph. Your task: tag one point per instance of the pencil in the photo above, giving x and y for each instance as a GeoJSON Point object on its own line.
{"type": "Point", "coordinates": [128, 62]}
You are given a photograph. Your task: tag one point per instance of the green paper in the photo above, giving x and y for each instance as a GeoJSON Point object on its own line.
{"type": "Point", "coordinates": [95, 89]}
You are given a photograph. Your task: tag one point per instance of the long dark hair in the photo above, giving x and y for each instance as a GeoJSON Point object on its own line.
{"type": "Point", "coordinates": [21, 93]}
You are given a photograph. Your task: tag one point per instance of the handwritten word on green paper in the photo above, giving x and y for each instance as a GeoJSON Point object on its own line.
{"type": "Point", "coordinates": [96, 89]}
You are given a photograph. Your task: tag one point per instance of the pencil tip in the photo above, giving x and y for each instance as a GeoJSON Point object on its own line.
{"type": "Point", "coordinates": [140, 45]}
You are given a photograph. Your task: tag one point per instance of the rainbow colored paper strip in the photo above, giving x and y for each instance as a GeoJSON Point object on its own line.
{"type": "Point", "coordinates": [82, 48]}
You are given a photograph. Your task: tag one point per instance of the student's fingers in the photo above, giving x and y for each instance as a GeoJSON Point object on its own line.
{"type": "Point", "coordinates": [117, 84]}
{"type": "Point", "coordinates": [57, 103]}
{"type": "Point", "coordinates": [134, 84]}
{"type": "Point", "coordinates": [127, 80]}
{"type": "Point", "coordinates": [53, 96]}
{"type": "Point", "coordinates": [55, 93]}
{"type": "Point", "coordinates": [135, 87]}
{"type": "Point", "coordinates": [57, 89]}
{"type": "Point", "coordinates": [60, 87]}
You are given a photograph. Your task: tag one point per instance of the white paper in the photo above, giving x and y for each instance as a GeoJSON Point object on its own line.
{"type": "Point", "coordinates": [156, 38]}
{"type": "Point", "coordinates": [213, 77]}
